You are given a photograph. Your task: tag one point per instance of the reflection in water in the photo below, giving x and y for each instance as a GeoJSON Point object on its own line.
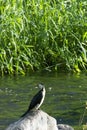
{"type": "Point", "coordinates": [65, 97]}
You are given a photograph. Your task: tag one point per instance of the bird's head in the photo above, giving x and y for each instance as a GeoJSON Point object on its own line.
{"type": "Point", "coordinates": [41, 86]}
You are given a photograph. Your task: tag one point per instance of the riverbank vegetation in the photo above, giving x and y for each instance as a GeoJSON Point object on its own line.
{"type": "Point", "coordinates": [43, 35]}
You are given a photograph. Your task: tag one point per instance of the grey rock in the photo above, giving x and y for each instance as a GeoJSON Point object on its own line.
{"type": "Point", "coordinates": [64, 127]}
{"type": "Point", "coordinates": [38, 120]}
{"type": "Point", "coordinates": [35, 120]}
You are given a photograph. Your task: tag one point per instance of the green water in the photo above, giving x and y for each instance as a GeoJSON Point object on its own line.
{"type": "Point", "coordinates": [65, 100]}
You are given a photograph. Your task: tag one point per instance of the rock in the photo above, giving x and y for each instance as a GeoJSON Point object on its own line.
{"type": "Point", "coordinates": [38, 120]}
{"type": "Point", "coordinates": [64, 127]}
{"type": "Point", "coordinates": [35, 120]}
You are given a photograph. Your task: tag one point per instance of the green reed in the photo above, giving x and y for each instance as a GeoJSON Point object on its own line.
{"type": "Point", "coordinates": [40, 34]}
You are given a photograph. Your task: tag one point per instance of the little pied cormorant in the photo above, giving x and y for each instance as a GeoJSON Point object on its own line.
{"type": "Point", "coordinates": [37, 100]}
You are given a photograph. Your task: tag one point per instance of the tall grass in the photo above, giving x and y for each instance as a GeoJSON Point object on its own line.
{"type": "Point", "coordinates": [43, 34]}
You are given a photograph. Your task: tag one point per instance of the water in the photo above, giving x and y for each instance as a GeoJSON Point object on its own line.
{"type": "Point", "coordinates": [65, 100]}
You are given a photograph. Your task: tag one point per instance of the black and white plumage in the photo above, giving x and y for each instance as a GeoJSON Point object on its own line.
{"type": "Point", "coordinates": [37, 100]}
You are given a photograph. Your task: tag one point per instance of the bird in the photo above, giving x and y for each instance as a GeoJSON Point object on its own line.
{"type": "Point", "coordinates": [37, 100]}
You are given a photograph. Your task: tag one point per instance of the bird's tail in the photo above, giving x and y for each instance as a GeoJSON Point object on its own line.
{"type": "Point", "coordinates": [25, 113]}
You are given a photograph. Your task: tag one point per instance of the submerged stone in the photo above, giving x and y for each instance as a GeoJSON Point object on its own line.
{"type": "Point", "coordinates": [64, 127]}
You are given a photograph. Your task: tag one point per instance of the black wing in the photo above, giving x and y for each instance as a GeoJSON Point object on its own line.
{"type": "Point", "coordinates": [36, 100]}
